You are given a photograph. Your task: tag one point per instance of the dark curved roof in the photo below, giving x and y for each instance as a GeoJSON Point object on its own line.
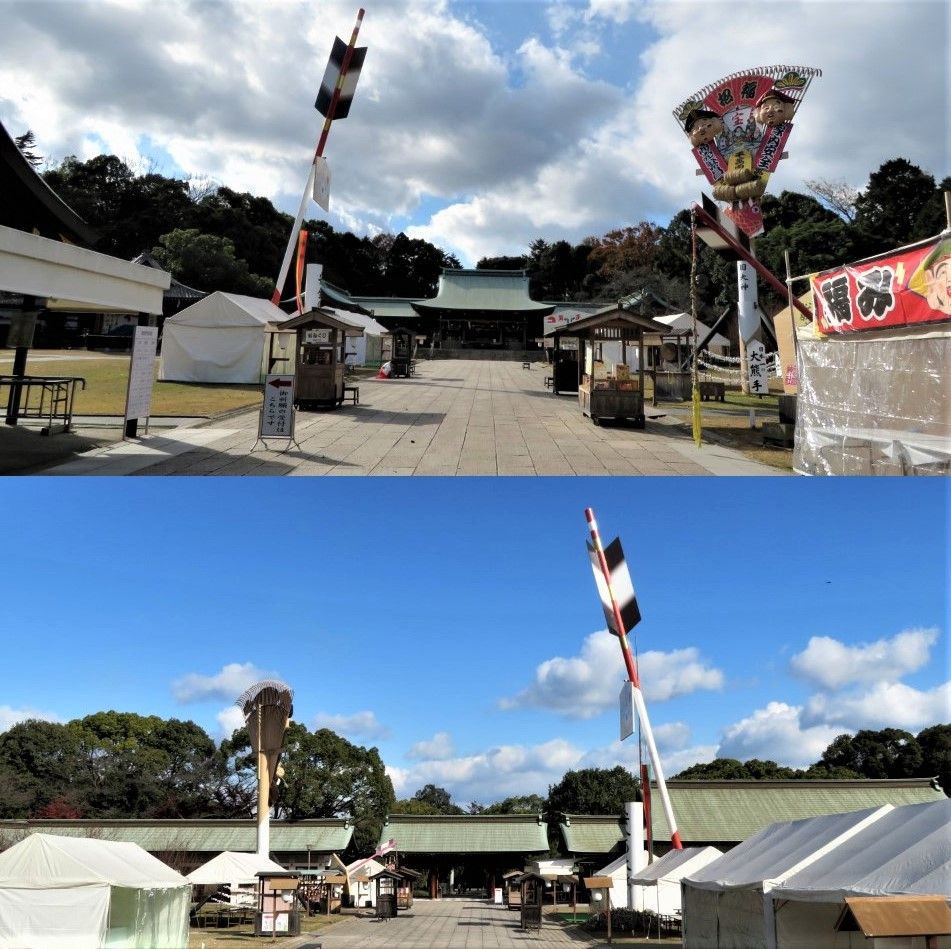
{"type": "Point", "coordinates": [29, 204]}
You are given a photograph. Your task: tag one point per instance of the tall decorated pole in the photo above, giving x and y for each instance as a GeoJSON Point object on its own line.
{"type": "Point", "coordinates": [622, 614]}
{"type": "Point", "coordinates": [333, 102]}
{"type": "Point", "coordinates": [738, 127]}
{"type": "Point", "coordinates": [267, 707]}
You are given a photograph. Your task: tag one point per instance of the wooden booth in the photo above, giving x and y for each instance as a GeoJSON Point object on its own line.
{"type": "Point", "coordinates": [532, 895]}
{"type": "Point", "coordinates": [404, 344]}
{"type": "Point", "coordinates": [387, 884]}
{"type": "Point", "coordinates": [277, 913]}
{"type": "Point", "coordinates": [320, 357]}
{"type": "Point", "coordinates": [607, 388]}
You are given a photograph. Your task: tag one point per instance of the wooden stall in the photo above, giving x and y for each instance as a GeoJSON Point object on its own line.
{"type": "Point", "coordinates": [277, 913]}
{"type": "Point", "coordinates": [607, 388]}
{"type": "Point", "coordinates": [320, 357]}
{"type": "Point", "coordinates": [532, 892]}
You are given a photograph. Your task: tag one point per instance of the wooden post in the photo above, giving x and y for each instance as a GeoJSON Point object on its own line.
{"type": "Point", "coordinates": [608, 894]}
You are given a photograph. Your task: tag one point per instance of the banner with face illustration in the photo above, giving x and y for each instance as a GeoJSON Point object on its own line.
{"type": "Point", "coordinates": [908, 286]}
{"type": "Point", "coordinates": [738, 127]}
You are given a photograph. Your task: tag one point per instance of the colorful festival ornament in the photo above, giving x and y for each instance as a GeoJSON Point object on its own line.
{"type": "Point", "coordinates": [738, 128]}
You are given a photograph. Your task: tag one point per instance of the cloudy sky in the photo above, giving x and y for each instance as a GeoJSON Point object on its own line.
{"type": "Point", "coordinates": [478, 126]}
{"type": "Point", "coordinates": [455, 624]}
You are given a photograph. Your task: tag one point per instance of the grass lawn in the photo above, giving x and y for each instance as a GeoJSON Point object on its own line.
{"type": "Point", "coordinates": [107, 378]}
{"type": "Point", "coordinates": [244, 935]}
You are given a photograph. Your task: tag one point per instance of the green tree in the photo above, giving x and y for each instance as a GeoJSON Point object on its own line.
{"type": "Point", "coordinates": [892, 201]}
{"type": "Point", "coordinates": [593, 791]}
{"type": "Point", "coordinates": [888, 753]}
{"type": "Point", "coordinates": [935, 745]}
{"type": "Point", "coordinates": [520, 804]}
{"type": "Point", "coordinates": [38, 764]}
{"type": "Point", "coordinates": [26, 143]}
{"type": "Point", "coordinates": [438, 799]}
{"type": "Point", "coordinates": [207, 262]}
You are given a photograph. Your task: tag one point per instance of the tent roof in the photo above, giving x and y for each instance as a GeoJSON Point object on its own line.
{"type": "Point", "coordinates": [611, 316]}
{"type": "Point", "coordinates": [233, 867]}
{"type": "Point", "coordinates": [906, 851]}
{"type": "Point", "coordinates": [43, 861]}
{"type": "Point", "coordinates": [779, 849]}
{"type": "Point", "coordinates": [466, 833]}
{"type": "Point", "coordinates": [495, 291]}
{"type": "Point", "coordinates": [219, 310]}
{"type": "Point", "coordinates": [676, 864]}
{"type": "Point", "coordinates": [683, 323]}
{"type": "Point", "coordinates": [886, 916]}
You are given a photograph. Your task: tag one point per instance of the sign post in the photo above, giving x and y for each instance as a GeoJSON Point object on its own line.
{"type": "Point", "coordinates": [277, 410]}
{"type": "Point", "coordinates": [138, 399]}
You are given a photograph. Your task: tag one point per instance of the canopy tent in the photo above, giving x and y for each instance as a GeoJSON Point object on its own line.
{"type": "Point", "coordinates": [72, 892]}
{"type": "Point", "coordinates": [367, 348]}
{"type": "Point", "coordinates": [723, 902]}
{"type": "Point", "coordinates": [907, 851]}
{"type": "Point", "coordinates": [218, 339]}
{"type": "Point", "coordinates": [658, 884]}
{"type": "Point", "coordinates": [236, 870]}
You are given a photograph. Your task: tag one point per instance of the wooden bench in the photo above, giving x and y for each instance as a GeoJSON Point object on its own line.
{"type": "Point", "coordinates": [713, 391]}
{"type": "Point", "coordinates": [351, 392]}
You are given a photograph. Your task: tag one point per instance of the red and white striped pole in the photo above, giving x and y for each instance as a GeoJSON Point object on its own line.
{"type": "Point", "coordinates": [321, 142]}
{"type": "Point", "coordinates": [631, 666]}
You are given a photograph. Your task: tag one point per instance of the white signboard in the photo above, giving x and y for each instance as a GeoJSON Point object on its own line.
{"type": "Point", "coordinates": [277, 412]}
{"type": "Point", "coordinates": [138, 403]}
{"type": "Point", "coordinates": [627, 710]}
{"type": "Point", "coordinates": [322, 183]}
{"type": "Point", "coordinates": [317, 336]}
{"type": "Point", "coordinates": [759, 370]}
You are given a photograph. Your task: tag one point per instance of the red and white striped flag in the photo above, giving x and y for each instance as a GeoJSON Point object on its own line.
{"type": "Point", "coordinates": [621, 586]}
{"type": "Point", "coordinates": [332, 78]}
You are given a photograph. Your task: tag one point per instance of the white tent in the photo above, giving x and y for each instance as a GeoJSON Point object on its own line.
{"type": "Point", "coordinates": [77, 892]}
{"type": "Point", "coordinates": [683, 323]}
{"type": "Point", "coordinates": [905, 852]}
{"type": "Point", "coordinates": [659, 882]}
{"type": "Point", "coordinates": [724, 902]}
{"type": "Point", "coordinates": [217, 339]}
{"type": "Point", "coordinates": [367, 348]}
{"type": "Point", "coordinates": [617, 871]}
{"type": "Point", "coordinates": [237, 870]}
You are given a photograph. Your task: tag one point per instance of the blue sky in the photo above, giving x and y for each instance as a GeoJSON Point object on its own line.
{"type": "Point", "coordinates": [454, 623]}
{"type": "Point", "coordinates": [479, 126]}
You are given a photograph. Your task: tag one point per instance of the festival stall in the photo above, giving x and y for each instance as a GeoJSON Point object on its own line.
{"type": "Point", "coordinates": [71, 892]}
{"type": "Point", "coordinates": [873, 366]}
{"type": "Point", "coordinates": [237, 871]}
{"type": "Point", "coordinates": [657, 886]}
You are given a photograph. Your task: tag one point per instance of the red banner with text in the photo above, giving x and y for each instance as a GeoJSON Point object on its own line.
{"type": "Point", "coordinates": [905, 287]}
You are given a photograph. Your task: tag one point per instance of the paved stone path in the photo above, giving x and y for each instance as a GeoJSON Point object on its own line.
{"type": "Point", "coordinates": [459, 417]}
{"type": "Point", "coordinates": [447, 924]}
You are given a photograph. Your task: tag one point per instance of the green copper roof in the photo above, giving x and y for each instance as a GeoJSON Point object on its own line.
{"type": "Point", "coordinates": [592, 834]}
{"type": "Point", "coordinates": [496, 291]}
{"type": "Point", "coordinates": [466, 833]}
{"type": "Point", "coordinates": [331, 835]}
{"type": "Point", "coordinates": [730, 811]}
{"type": "Point", "coordinates": [711, 811]}
{"type": "Point", "coordinates": [389, 307]}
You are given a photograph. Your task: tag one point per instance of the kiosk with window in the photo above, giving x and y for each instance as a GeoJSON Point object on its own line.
{"type": "Point", "coordinates": [532, 887]}
{"type": "Point", "coordinates": [277, 913]}
{"type": "Point", "coordinates": [402, 359]}
{"type": "Point", "coordinates": [319, 364]}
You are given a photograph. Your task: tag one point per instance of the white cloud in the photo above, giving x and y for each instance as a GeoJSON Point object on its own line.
{"type": "Point", "coordinates": [500, 772]}
{"type": "Point", "coordinates": [832, 664]}
{"type": "Point", "coordinates": [13, 716]}
{"type": "Point", "coordinates": [438, 747]}
{"type": "Point", "coordinates": [887, 705]}
{"type": "Point", "coordinates": [228, 683]}
{"type": "Point", "coordinates": [582, 687]}
{"type": "Point", "coordinates": [229, 720]}
{"type": "Point", "coordinates": [777, 733]}
{"type": "Point", "coordinates": [358, 725]}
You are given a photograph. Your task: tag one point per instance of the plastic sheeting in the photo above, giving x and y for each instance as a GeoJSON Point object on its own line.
{"type": "Point", "coordinates": [874, 405]}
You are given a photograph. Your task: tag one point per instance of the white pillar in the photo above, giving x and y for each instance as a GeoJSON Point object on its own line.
{"type": "Point", "coordinates": [634, 813]}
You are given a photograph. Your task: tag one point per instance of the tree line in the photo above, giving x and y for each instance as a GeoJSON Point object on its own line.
{"type": "Point", "coordinates": [124, 765]}
{"type": "Point", "coordinates": [213, 238]}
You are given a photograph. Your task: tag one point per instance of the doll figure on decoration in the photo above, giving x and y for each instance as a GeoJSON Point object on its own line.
{"type": "Point", "coordinates": [774, 108]}
{"type": "Point", "coordinates": [702, 127]}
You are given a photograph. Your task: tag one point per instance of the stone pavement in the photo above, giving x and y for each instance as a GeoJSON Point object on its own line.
{"type": "Point", "coordinates": [458, 417]}
{"type": "Point", "coordinates": [445, 924]}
